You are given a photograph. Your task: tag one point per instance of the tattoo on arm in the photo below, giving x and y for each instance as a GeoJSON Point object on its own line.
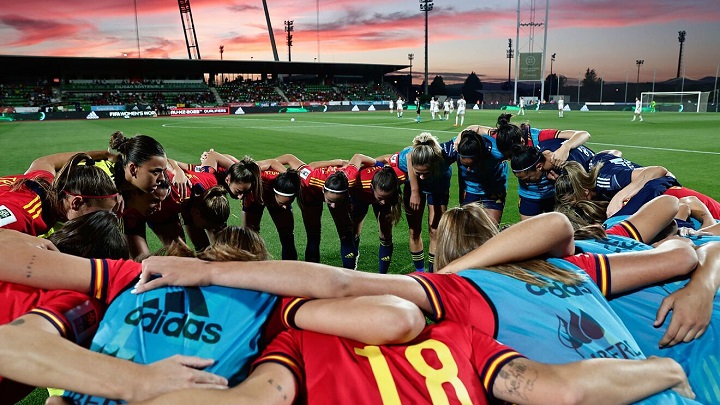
{"type": "Point", "coordinates": [279, 388]}
{"type": "Point", "coordinates": [517, 379]}
{"type": "Point", "coordinates": [28, 268]}
{"type": "Point", "coordinates": [17, 322]}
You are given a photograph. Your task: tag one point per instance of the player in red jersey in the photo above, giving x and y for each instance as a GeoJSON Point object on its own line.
{"type": "Point", "coordinates": [328, 182]}
{"type": "Point", "coordinates": [274, 188]}
{"type": "Point", "coordinates": [54, 188]}
{"type": "Point", "coordinates": [378, 186]}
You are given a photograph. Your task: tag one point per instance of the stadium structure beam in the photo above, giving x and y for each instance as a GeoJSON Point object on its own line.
{"type": "Point", "coordinates": [276, 58]}
{"type": "Point", "coordinates": [189, 29]}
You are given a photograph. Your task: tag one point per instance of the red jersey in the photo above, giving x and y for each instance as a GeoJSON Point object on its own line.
{"type": "Point", "coordinates": [597, 266]}
{"type": "Point", "coordinates": [313, 180]}
{"type": "Point", "coordinates": [363, 189]}
{"type": "Point", "coordinates": [447, 362]}
{"type": "Point", "coordinates": [267, 179]}
{"type": "Point", "coordinates": [22, 209]}
{"type": "Point", "coordinates": [544, 135]}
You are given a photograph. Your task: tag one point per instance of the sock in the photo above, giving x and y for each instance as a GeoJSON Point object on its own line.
{"type": "Point", "coordinates": [347, 252]}
{"type": "Point", "coordinates": [418, 259]}
{"type": "Point", "coordinates": [462, 120]}
{"type": "Point", "coordinates": [385, 252]}
{"type": "Point", "coordinates": [431, 262]}
{"type": "Point", "coordinates": [456, 120]}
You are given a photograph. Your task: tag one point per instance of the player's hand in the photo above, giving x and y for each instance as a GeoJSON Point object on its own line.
{"type": "Point", "coordinates": [692, 308]}
{"type": "Point", "coordinates": [559, 157]}
{"type": "Point", "coordinates": [204, 157]}
{"type": "Point", "coordinates": [9, 237]}
{"type": "Point", "coordinates": [683, 387]}
{"type": "Point", "coordinates": [175, 373]}
{"type": "Point", "coordinates": [415, 200]}
{"type": "Point", "coordinates": [179, 271]}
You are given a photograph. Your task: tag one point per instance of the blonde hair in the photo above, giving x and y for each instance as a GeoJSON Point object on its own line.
{"type": "Point", "coordinates": [233, 243]}
{"type": "Point", "coordinates": [426, 151]}
{"type": "Point", "coordinates": [465, 228]}
{"type": "Point", "coordinates": [586, 217]}
{"type": "Point", "coordinates": [571, 185]}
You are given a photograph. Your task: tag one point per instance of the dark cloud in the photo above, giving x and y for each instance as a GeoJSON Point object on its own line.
{"type": "Point", "coordinates": [33, 31]}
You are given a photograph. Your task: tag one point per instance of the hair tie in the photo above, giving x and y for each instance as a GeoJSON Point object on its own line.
{"type": "Point", "coordinates": [529, 167]}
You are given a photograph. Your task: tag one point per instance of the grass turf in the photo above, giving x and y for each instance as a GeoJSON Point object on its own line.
{"type": "Point", "coordinates": [682, 142]}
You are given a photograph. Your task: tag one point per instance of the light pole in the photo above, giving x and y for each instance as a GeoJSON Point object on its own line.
{"type": "Point", "coordinates": [509, 57]}
{"type": "Point", "coordinates": [426, 6]}
{"type": "Point", "coordinates": [637, 82]}
{"type": "Point", "coordinates": [552, 59]}
{"type": "Point", "coordinates": [222, 76]}
{"type": "Point", "coordinates": [289, 29]}
{"type": "Point", "coordinates": [411, 56]}
{"type": "Point", "coordinates": [681, 39]}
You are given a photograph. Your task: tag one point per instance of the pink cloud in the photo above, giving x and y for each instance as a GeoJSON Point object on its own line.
{"type": "Point", "coordinates": [35, 31]}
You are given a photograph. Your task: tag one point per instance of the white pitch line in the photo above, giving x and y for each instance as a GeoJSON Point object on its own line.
{"type": "Point", "coordinates": [653, 148]}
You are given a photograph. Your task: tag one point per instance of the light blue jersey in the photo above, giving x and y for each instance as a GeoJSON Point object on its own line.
{"type": "Point", "coordinates": [213, 322]}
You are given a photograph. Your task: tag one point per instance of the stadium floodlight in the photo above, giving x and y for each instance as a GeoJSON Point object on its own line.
{"type": "Point", "coordinates": [637, 82]}
{"type": "Point", "coordinates": [289, 28]}
{"type": "Point", "coordinates": [426, 6]}
{"type": "Point", "coordinates": [509, 56]}
{"type": "Point", "coordinates": [681, 39]}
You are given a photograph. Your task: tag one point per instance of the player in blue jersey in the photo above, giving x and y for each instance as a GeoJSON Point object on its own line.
{"type": "Point", "coordinates": [221, 323]}
{"type": "Point", "coordinates": [645, 294]}
{"type": "Point", "coordinates": [562, 310]}
{"type": "Point", "coordinates": [428, 174]}
{"type": "Point", "coordinates": [482, 170]}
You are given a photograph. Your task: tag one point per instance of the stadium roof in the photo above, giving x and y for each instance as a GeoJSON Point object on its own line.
{"type": "Point", "coordinates": [26, 67]}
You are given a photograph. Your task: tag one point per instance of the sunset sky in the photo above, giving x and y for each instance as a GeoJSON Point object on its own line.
{"type": "Point", "coordinates": [465, 35]}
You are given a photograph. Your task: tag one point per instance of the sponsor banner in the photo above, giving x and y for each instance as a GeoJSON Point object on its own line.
{"type": "Point", "coordinates": [530, 66]}
{"type": "Point", "coordinates": [26, 110]}
{"type": "Point", "coordinates": [242, 104]}
{"type": "Point", "coordinates": [187, 112]}
{"type": "Point", "coordinates": [128, 114]}
{"type": "Point", "coordinates": [7, 110]}
{"type": "Point", "coordinates": [107, 108]}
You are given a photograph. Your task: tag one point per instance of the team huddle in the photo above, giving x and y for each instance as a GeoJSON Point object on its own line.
{"type": "Point", "coordinates": [605, 292]}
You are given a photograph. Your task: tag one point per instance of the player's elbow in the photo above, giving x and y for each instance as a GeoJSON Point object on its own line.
{"type": "Point", "coordinates": [403, 320]}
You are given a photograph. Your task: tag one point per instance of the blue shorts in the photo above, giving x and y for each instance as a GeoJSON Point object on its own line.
{"type": "Point", "coordinates": [532, 207]}
{"type": "Point", "coordinates": [491, 202]}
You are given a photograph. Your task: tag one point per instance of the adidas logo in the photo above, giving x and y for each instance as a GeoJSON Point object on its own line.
{"type": "Point", "coordinates": [173, 320]}
{"type": "Point", "coordinates": [239, 111]}
{"type": "Point", "coordinates": [92, 116]}
{"type": "Point", "coordinates": [385, 258]}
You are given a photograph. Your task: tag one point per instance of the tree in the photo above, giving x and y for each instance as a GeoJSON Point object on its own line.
{"type": "Point", "coordinates": [437, 86]}
{"type": "Point", "coordinates": [470, 88]}
{"type": "Point", "coordinates": [591, 84]}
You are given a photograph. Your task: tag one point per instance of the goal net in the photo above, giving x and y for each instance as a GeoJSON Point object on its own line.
{"type": "Point", "coordinates": [678, 101]}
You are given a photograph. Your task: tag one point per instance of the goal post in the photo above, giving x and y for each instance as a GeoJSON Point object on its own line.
{"type": "Point", "coordinates": [676, 101]}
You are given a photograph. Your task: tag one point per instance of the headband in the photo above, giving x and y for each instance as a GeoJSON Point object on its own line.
{"type": "Point", "coordinates": [468, 156]}
{"type": "Point", "coordinates": [529, 167]}
{"type": "Point", "coordinates": [334, 191]}
{"type": "Point", "coordinates": [283, 194]}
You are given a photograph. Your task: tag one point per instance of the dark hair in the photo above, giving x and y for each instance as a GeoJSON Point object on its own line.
{"type": "Point", "coordinates": [95, 235]}
{"type": "Point", "coordinates": [214, 207]}
{"type": "Point", "coordinates": [82, 179]}
{"type": "Point", "coordinates": [138, 149]}
{"type": "Point", "coordinates": [472, 145]}
{"type": "Point", "coordinates": [288, 182]}
{"type": "Point", "coordinates": [247, 171]}
{"type": "Point", "coordinates": [508, 135]}
{"type": "Point", "coordinates": [337, 182]}
{"type": "Point", "coordinates": [525, 157]}
{"type": "Point", "coordinates": [386, 179]}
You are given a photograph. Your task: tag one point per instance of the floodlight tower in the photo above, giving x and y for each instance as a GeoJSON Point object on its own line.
{"type": "Point", "coordinates": [289, 28]}
{"type": "Point", "coordinates": [681, 38]}
{"type": "Point", "coordinates": [509, 57]}
{"type": "Point", "coordinates": [189, 29]}
{"type": "Point", "coordinates": [426, 6]}
{"type": "Point", "coordinates": [637, 83]}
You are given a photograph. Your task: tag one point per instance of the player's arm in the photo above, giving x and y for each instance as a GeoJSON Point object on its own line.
{"type": "Point", "coordinates": [180, 181]}
{"type": "Point", "coordinates": [268, 384]}
{"type": "Point", "coordinates": [557, 241]}
{"type": "Point", "coordinates": [27, 260]}
{"type": "Point", "coordinates": [281, 277]}
{"type": "Point", "coordinates": [328, 163]}
{"type": "Point", "coordinates": [574, 139]}
{"type": "Point", "coordinates": [385, 159]}
{"type": "Point", "coordinates": [33, 353]}
{"type": "Point", "coordinates": [360, 160]}
{"type": "Point", "coordinates": [654, 216]}
{"type": "Point", "coordinates": [53, 163]}
{"type": "Point", "coordinates": [595, 381]}
{"type": "Point", "coordinates": [272, 164]}
{"type": "Point", "coordinates": [290, 160]}
{"type": "Point", "coordinates": [414, 184]}
{"type": "Point", "coordinates": [375, 320]}
{"type": "Point", "coordinates": [692, 305]}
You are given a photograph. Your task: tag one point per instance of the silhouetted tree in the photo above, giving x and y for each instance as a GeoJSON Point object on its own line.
{"type": "Point", "coordinates": [437, 87]}
{"type": "Point", "coordinates": [591, 85]}
{"type": "Point", "coordinates": [470, 88]}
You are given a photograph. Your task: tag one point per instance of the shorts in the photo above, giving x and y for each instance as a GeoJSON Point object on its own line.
{"type": "Point", "coordinates": [531, 207]}
{"type": "Point", "coordinates": [491, 202]}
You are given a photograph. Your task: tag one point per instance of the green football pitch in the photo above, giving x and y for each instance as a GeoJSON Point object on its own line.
{"type": "Point", "coordinates": [684, 143]}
